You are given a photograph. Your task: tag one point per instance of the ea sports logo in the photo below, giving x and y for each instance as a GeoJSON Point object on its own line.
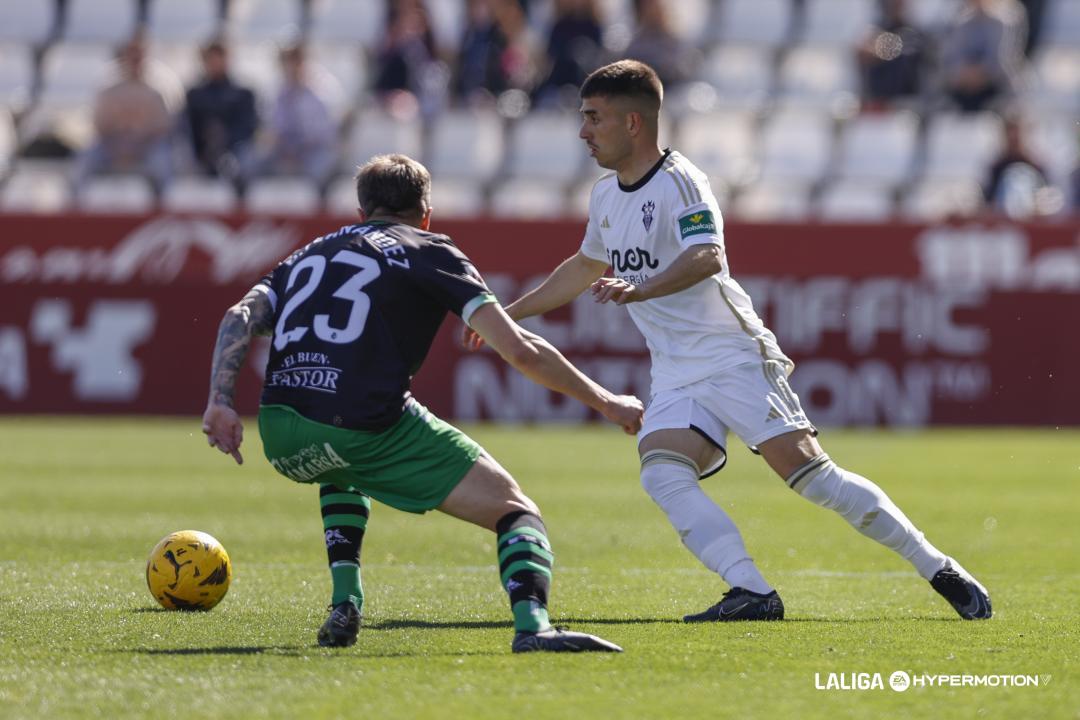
{"type": "Point", "coordinates": [899, 681]}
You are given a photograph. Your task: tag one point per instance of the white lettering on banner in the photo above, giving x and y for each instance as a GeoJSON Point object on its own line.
{"type": "Point", "coordinates": [485, 387]}
{"type": "Point", "coordinates": [833, 394]}
{"type": "Point", "coordinates": [14, 381]}
{"type": "Point", "coordinates": [156, 252]}
{"type": "Point", "coordinates": [99, 354]}
{"type": "Point", "coordinates": [982, 258]}
{"type": "Point", "coordinates": [802, 312]}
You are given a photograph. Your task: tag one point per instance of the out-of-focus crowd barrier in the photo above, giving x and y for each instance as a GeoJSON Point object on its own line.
{"type": "Point", "coordinates": [896, 325]}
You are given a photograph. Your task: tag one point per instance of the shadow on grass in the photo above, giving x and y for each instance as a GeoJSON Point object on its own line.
{"type": "Point", "coordinates": [492, 624]}
{"type": "Point", "coordinates": [224, 650]}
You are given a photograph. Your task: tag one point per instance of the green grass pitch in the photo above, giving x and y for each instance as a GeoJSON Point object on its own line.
{"type": "Point", "coordinates": [82, 501]}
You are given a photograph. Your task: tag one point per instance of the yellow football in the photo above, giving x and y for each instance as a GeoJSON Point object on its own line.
{"type": "Point", "coordinates": [188, 570]}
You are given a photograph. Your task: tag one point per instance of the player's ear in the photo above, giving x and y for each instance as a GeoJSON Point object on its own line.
{"type": "Point", "coordinates": [363, 215]}
{"type": "Point", "coordinates": [425, 222]}
{"type": "Point", "coordinates": [634, 123]}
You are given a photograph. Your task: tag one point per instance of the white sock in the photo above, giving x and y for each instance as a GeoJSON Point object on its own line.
{"type": "Point", "coordinates": [671, 479]}
{"type": "Point", "coordinates": [868, 509]}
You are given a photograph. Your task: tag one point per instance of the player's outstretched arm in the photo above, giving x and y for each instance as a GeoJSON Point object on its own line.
{"type": "Point", "coordinates": [566, 282]}
{"type": "Point", "coordinates": [691, 267]}
{"type": "Point", "coordinates": [247, 318]}
{"type": "Point", "coordinates": [539, 361]}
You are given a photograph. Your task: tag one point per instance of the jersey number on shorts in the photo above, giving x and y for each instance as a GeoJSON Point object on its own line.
{"type": "Point", "coordinates": [351, 290]}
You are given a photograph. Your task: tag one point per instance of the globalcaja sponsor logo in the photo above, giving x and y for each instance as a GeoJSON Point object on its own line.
{"type": "Point", "coordinates": [697, 224]}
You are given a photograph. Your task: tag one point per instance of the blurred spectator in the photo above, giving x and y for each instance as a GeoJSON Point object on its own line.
{"type": "Point", "coordinates": [300, 135]}
{"type": "Point", "coordinates": [892, 58]}
{"type": "Point", "coordinates": [406, 62]}
{"type": "Point", "coordinates": [573, 50]}
{"type": "Point", "coordinates": [655, 44]}
{"type": "Point", "coordinates": [1017, 185]}
{"type": "Point", "coordinates": [498, 50]}
{"type": "Point", "coordinates": [132, 123]}
{"type": "Point", "coordinates": [220, 116]}
{"type": "Point", "coordinates": [982, 53]}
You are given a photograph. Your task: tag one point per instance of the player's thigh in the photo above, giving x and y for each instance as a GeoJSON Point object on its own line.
{"type": "Point", "coordinates": [676, 422]}
{"type": "Point", "coordinates": [788, 452]}
{"type": "Point", "coordinates": [486, 494]}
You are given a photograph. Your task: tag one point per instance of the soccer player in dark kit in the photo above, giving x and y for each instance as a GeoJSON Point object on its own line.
{"type": "Point", "coordinates": [352, 316]}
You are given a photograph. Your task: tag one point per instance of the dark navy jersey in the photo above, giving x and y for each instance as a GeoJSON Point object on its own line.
{"type": "Point", "coordinates": [355, 313]}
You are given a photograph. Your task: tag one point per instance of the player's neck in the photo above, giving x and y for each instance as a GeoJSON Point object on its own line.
{"type": "Point", "coordinates": [638, 164]}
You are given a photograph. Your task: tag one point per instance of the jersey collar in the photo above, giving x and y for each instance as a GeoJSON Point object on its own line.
{"type": "Point", "coordinates": [647, 176]}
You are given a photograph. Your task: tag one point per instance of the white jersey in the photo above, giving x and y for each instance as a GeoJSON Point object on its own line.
{"type": "Point", "coordinates": [640, 230]}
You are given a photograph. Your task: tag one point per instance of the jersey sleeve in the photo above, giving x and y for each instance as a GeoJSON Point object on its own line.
{"type": "Point", "coordinates": [592, 246]}
{"type": "Point", "coordinates": [272, 284]}
{"type": "Point", "coordinates": [447, 275]}
{"type": "Point", "coordinates": [696, 213]}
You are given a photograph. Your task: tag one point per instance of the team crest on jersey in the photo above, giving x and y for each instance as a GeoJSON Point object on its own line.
{"type": "Point", "coordinates": [646, 214]}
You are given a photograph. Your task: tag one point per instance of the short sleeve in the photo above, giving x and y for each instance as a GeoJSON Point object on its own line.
{"type": "Point", "coordinates": [448, 276]}
{"type": "Point", "coordinates": [592, 246]}
{"type": "Point", "coordinates": [699, 224]}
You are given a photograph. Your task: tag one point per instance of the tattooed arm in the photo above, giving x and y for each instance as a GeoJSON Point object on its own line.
{"type": "Point", "coordinates": [249, 317]}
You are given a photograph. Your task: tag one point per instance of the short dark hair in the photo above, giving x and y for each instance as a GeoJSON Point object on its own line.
{"type": "Point", "coordinates": [625, 78]}
{"type": "Point", "coordinates": [393, 184]}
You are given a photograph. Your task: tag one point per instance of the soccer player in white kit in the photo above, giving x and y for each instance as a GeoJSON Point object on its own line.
{"type": "Point", "coordinates": [715, 366]}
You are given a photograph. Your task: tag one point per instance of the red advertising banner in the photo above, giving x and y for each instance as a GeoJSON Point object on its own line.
{"type": "Point", "coordinates": [897, 325]}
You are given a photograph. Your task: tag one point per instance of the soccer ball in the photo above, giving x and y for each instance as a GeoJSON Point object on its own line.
{"type": "Point", "coordinates": [188, 570]}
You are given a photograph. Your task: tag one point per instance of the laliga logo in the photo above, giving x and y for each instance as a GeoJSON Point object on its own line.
{"type": "Point", "coordinates": [899, 681]}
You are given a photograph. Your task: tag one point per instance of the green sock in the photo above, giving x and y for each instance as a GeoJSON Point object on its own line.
{"type": "Point", "coordinates": [346, 577]}
{"type": "Point", "coordinates": [530, 616]}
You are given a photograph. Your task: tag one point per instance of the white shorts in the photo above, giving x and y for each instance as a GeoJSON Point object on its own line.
{"type": "Point", "coordinates": [753, 400]}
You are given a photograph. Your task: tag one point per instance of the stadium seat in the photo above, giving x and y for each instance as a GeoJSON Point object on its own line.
{"type": "Point", "coordinates": [528, 199]}
{"type": "Point", "coordinates": [855, 201]}
{"type": "Point", "coordinates": [27, 22]}
{"type": "Point", "coordinates": [936, 199]}
{"type": "Point", "coordinates": [281, 196]}
{"type": "Point", "coordinates": [8, 142]}
{"type": "Point", "coordinates": [181, 58]}
{"type": "Point", "coordinates": [347, 64]}
{"type": "Point", "coordinates": [99, 21]}
{"type": "Point", "coordinates": [878, 147]}
{"type": "Point", "coordinates": [375, 132]}
{"type": "Point", "coordinates": [456, 198]}
{"type": "Point", "coordinates": [255, 65]}
{"type": "Point", "coordinates": [721, 143]}
{"type": "Point", "coordinates": [840, 23]}
{"type": "Point", "coordinates": [36, 189]}
{"type": "Point", "coordinates": [191, 21]}
{"type": "Point", "coordinates": [961, 146]}
{"type": "Point", "coordinates": [692, 20]}
{"type": "Point", "coordinates": [195, 194]}
{"type": "Point", "coordinates": [266, 20]}
{"type": "Point", "coordinates": [1054, 140]}
{"type": "Point", "coordinates": [772, 202]}
{"type": "Point", "coordinates": [545, 146]}
{"type": "Point", "coordinates": [819, 77]}
{"type": "Point", "coordinates": [932, 15]}
{"type": "Point", "coordinates": [16, 75]}
{"type": "Point", "coordinates": [115, 194]}
{"type": "Point", "coordinates": [1061, 23]}
{"type": "Point", "coordinates": [1057, 79]}
{"type": "Point", "coordinates": [742, 75]}
{"type": "Point", "coordinates": [465, 144]}
{"type": "Point", "coordinates": [348, 21]}
{"type": "Point", "coordinates": [73, 73]}
{"type": "Point", "coordinates": [796, 146]}
{"type": "Point", "coordinates": [755, 22]}
{"type": "Point", "coordinates": [448, 19]}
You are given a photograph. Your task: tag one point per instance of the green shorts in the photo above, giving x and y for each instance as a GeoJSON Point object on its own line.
{"type": "Point", "coordinates": [412, 466]}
